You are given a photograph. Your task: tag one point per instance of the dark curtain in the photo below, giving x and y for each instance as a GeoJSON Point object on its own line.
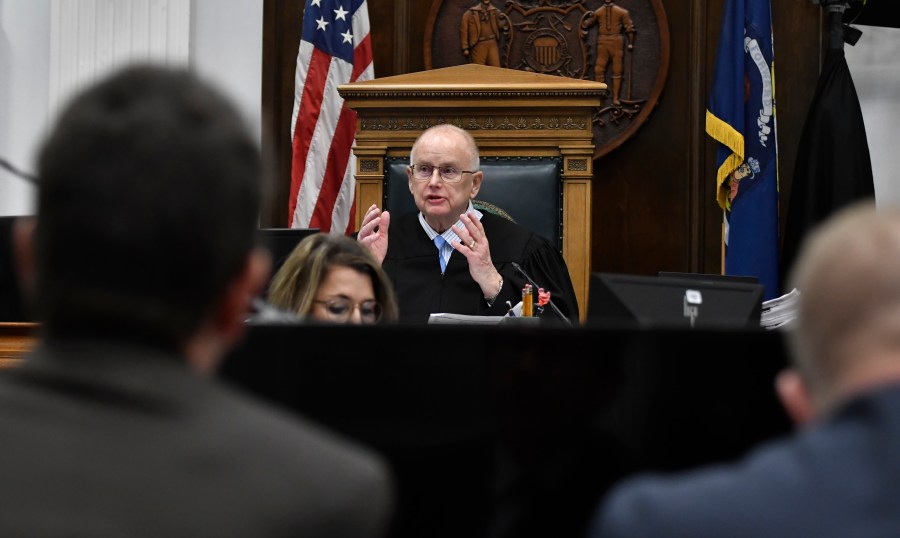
{"type": "Point", "coordinates": [833, 168]}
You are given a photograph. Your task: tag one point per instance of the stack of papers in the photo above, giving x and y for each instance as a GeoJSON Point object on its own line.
{"type": "Point", "coordinates": [456, 319]}
{"type": "Point", "coordinates": [778, 313]}
{"type": "Point", "coordinates": [464, 319]}
{"type": "Point", "coordinates": [513, 316]}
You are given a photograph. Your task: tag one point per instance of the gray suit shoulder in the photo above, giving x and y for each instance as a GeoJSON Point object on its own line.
{"type": "Point", "coordinates": [331, 485]}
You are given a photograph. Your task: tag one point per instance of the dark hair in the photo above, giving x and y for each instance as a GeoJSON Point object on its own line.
{"type": "Point", "coordinates": [296, 283]}
{"type": "Point", "coordinates": [148, 204]}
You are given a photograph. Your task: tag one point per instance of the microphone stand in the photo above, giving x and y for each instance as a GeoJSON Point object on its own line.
{"type": "Point", "coordinates": [534, 285]}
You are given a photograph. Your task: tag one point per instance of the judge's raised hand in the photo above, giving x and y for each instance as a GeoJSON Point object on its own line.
{"type": "Point", "coordinates": [373, 234]}
{"type": "Point", "coordinates": [474, 246]}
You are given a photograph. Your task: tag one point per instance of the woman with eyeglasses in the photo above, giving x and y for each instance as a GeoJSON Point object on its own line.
{"type": "Point", "coordinates": [333, 279]}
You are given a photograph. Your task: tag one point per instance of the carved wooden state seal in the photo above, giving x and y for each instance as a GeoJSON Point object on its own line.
{"type": "Point", "coordinates": [624, 43]}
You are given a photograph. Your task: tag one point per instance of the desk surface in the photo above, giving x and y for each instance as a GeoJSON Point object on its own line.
{"type": "Point", "coordinates": [513, 431]}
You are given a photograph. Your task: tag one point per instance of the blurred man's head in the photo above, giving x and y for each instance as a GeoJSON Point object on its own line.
{"type": "Point", "coordinates": [847, 333]}
{"type": "Point", "coordinates": [148, 205]}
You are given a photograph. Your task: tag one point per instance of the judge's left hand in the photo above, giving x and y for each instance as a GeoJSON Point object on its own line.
{"type": "Point", "coordinates": [474, 246]}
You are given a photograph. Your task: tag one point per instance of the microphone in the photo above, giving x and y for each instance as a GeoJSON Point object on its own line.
{"type": "Point", "coordinates": [534, 285]}
{"type": "Point", "coordinates": [18, 173]}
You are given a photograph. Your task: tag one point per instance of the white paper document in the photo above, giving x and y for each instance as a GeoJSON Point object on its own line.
{"type": "Point", "coordinates": [780, 311]}
{"type": "Point", "coordinates": [455, 319]}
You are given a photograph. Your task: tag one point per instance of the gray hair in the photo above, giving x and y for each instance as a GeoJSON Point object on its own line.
{"type": "Point", "coordinates": [849, 305]}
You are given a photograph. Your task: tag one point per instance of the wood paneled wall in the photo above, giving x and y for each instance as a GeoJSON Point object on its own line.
{"type": "Point", "coordinates": [654, 203]}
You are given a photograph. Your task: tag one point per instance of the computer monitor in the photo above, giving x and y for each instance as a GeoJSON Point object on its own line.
{"type": "Point", "coordinates": [709, 277]}
{"type": "Point", "coordinates": [281, 242]}
{"type": "Point", "coordinates": [672, 302]}
{"type": "Point", "coordinates": [12, 303]}
{"type": "Point", "coordinates": [506, 430]}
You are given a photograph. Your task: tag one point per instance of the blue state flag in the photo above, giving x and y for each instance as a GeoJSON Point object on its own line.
{"type": "Point", "coordinates": [741, 117]}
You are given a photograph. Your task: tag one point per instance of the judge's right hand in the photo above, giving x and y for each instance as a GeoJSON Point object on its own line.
{"type": "Point", "coordinates": [373, 234]}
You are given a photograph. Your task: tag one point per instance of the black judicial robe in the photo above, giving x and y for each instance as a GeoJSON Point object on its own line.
{"type": "Point", "coordinates": [413, 266]}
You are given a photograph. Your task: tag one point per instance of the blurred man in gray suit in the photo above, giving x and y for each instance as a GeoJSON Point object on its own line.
{"type": "Point", "coordinates": [838, 475]}
{"type": "Point", "coordinates": [145, 264]}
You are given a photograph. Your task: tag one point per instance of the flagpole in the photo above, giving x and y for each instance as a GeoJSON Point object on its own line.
{"type": "Point", "coordinates": [722, 250]}
{"type": "Point", "coordinates": [836, 9]}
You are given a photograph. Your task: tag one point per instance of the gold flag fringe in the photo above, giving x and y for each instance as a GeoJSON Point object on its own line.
{"type": "Point", "coordinates": [725, 134]}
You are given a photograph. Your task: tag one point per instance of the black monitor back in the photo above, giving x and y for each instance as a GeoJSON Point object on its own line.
{"type": "Point", "coordinates": [509, 431]}
{"type": "Point", "coordinates": [709, 277]}
{"type": "Point", "coordinates": [12, 303]}
{"type": "Point", "coordinates": [650, 301]}
{"type": "Point", "coordinates": [281, 242]}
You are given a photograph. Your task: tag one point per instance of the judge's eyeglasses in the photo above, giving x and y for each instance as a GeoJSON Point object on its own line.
{"type": "Point", "coordinates": [341, 308]}
{"type": "Point", "coordinates": [449, 174]}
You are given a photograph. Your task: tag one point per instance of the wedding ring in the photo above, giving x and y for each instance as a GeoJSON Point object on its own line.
{"type": "Point", "coordinates": [472, 244]}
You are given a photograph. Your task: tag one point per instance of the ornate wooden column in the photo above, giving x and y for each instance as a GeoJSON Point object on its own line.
{"type": "Point", "coordinates": [509, 112]}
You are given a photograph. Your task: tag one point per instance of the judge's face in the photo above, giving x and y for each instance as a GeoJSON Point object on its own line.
{"type": "Point", "coordinates": [345, 295]}
{"type": "Point", "coordinates": [442, 202]}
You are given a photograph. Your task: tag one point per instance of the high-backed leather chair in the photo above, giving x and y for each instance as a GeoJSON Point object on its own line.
{"type": "Point", "coordinates": [534, 134]}
{"type": "Point", "coordinates": [526, 190]}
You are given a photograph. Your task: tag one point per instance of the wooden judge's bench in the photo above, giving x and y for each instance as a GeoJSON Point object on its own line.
{"type": "Point", "coordinates": [511, 113]}
{"type": "Point", "coordinates": [16, 339]}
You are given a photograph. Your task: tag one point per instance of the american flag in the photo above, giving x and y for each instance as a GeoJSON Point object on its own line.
{"type": "Point", "coordinates": [335, 49]}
